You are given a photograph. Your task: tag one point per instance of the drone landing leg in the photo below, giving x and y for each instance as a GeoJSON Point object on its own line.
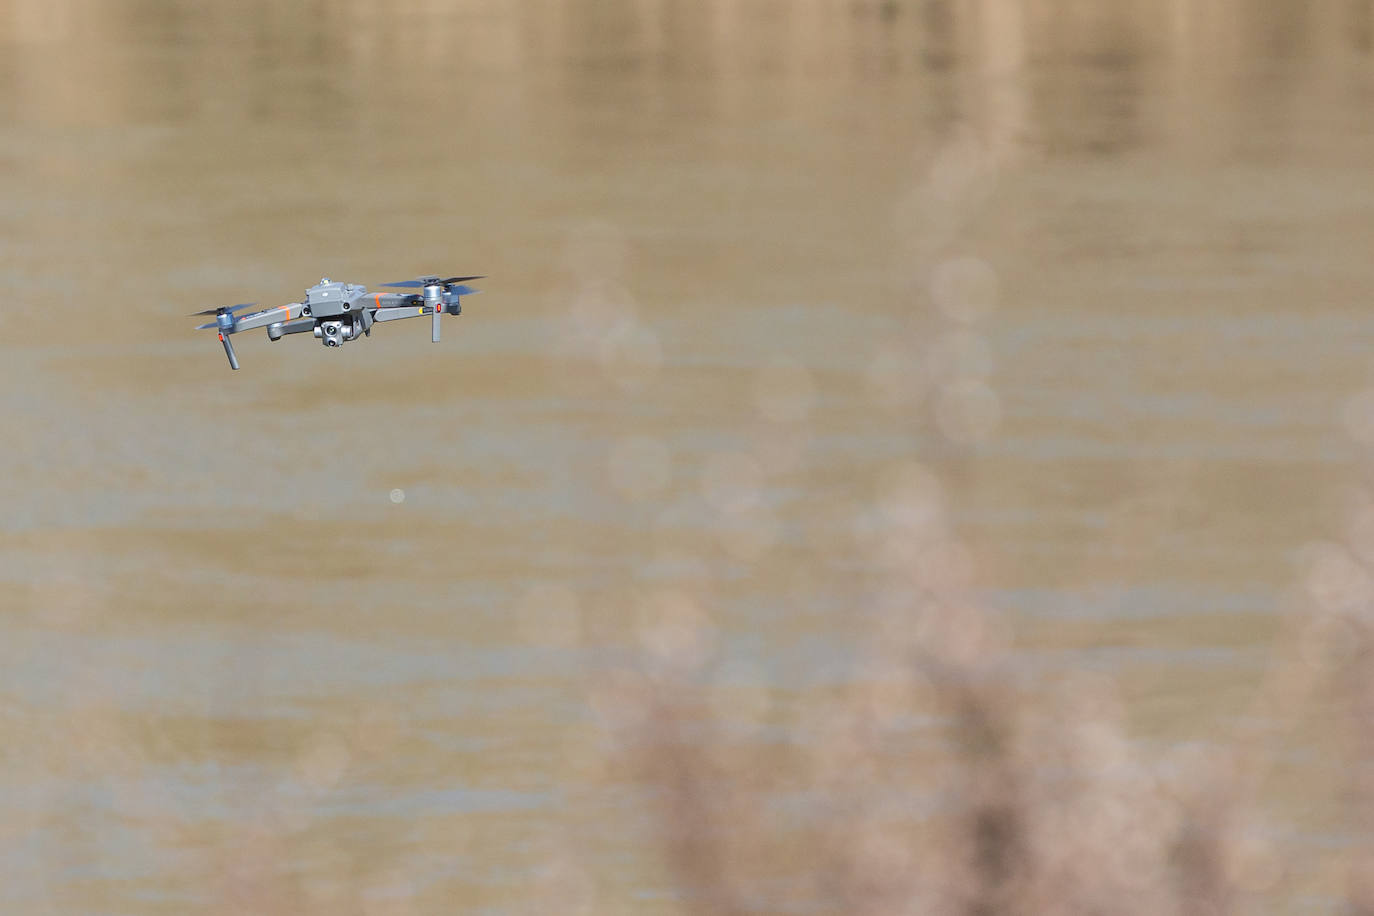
{"type": "Point", "coordinates": [229, 351]}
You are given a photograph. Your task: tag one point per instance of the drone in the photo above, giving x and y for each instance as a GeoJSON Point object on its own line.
{"type": "Point", "coordinates": [339, 312]}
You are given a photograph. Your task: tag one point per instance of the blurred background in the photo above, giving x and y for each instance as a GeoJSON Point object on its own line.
{"type": "Point", "coordinates": [908, 456]}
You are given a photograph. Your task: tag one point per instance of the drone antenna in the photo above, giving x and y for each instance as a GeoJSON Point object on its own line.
{"type": "Point", "coordinates": [229, 350]}
{"type": "Point", "coordinates": [434, 299]}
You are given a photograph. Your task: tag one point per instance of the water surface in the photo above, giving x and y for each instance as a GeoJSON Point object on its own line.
{"type": "Point", "coordinates": [343, 631]}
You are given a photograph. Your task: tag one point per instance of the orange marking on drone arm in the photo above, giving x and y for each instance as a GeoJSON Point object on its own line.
{"type": "Point", "coordinates": [378, 297]}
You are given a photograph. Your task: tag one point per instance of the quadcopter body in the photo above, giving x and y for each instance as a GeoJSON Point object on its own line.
{"type": "Point", "coordinates": [336, 313]}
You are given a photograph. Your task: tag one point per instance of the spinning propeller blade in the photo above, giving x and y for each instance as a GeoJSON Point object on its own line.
{"type": "Point", "coordinates": [230, 309]}
{"type": "Point", "coordinates": [425, 281]}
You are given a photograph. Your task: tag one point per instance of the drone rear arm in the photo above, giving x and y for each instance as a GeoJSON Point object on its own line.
{"type": "Point", "coordinates": [299, 326]}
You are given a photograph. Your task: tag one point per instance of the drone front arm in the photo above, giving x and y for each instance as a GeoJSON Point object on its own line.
{"type": "Point", "coordinates": [401, 311]}
{"type": "Point", "coordinates": [262, 319]}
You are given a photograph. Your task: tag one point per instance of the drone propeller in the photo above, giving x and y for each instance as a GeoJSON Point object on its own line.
{"type": "Point", "coordinates": [231, 309]}
{"type": "Point", "coordinates": [444, 302]}
{"type": "Point", "coordinates": [428, 281]}
{"type": "Point", "coordinates": [224, 320]}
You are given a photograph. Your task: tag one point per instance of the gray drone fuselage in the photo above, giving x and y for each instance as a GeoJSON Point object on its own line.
{"type": "Point", "coordinates": [337, 312]}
